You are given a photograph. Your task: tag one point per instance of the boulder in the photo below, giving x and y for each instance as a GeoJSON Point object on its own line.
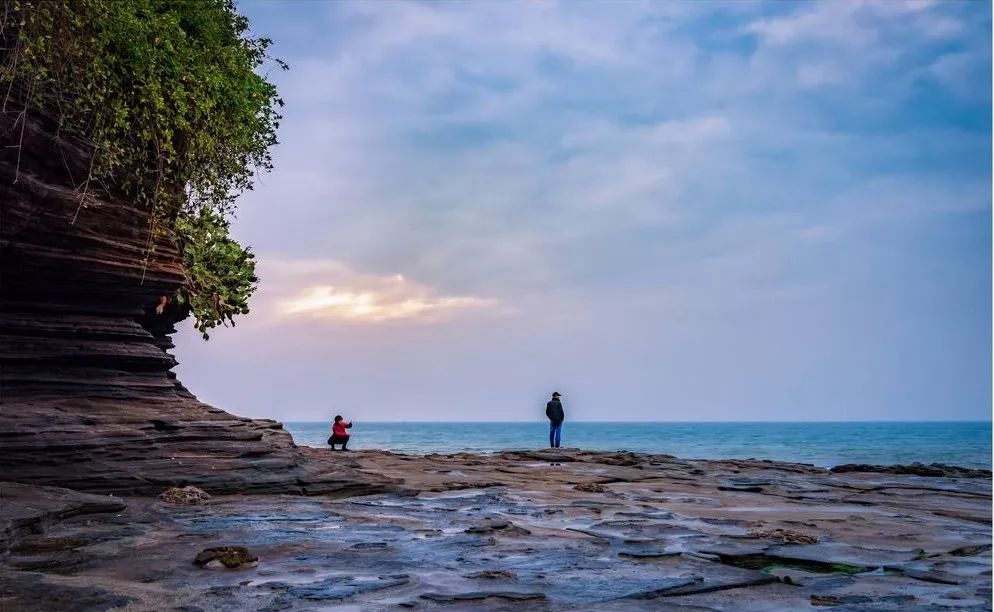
{"type": "Point", "coordinates": [785, 536]}
{"type": "Point", "coordinates": [589, 487]}
{"type": "Point", "coordinates": [184, 496]}
{"type": "Point", "coordinates": [225, 557]}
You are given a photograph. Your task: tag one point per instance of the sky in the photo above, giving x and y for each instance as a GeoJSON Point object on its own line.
{"type": "Point", "coordinates": [687, 211]}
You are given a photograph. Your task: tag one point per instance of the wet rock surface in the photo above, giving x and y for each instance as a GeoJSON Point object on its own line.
{"type": "Point", "coordinates": [666, 535]}
{"type": "Point", "coordinates": [917, 469]}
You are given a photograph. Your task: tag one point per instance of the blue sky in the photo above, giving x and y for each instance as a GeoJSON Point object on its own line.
{"type": "Point", "coordinates": [667, 211]}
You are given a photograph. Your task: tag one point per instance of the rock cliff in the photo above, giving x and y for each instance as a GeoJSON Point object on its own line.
{"type": "Point", "coordinates": [88, 398]}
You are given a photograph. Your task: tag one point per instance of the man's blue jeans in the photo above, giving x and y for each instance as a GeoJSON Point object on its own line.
{"type": "Point", "coordinates": [555, 430]}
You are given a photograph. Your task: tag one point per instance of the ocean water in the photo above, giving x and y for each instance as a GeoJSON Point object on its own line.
{"type": "Point", "coordinates": [966, 444]}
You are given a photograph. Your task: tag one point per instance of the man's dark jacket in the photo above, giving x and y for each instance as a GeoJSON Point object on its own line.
{"type": "Point", "coordinates": [554, 410]}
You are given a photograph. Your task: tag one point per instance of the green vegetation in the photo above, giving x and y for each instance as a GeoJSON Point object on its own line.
{"type": "Point", "coordinates": [220, 273]}
{"type": "Point", "coordinates": [180, 120]}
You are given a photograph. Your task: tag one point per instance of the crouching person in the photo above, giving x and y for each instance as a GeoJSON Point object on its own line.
{"type": "Point", "coordinates": [339, 433]}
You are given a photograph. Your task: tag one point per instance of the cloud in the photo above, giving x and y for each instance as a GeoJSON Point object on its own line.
{"type": "Point", "coordinates": [577, 140]}
{"type": "Point", "coordinates": [857, 43]}
{"type": "Point", "coordinates": [832, 21]}
{"type": "Point", "coordinates": [859, 23]}
{"type": "Point", "coordinates": [961, 72]}
{"type": "Point", "coordinates": [328, 290]}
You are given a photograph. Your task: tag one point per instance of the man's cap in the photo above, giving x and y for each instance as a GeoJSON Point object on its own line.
{"type": "Point", "coordinates": [556, 394]}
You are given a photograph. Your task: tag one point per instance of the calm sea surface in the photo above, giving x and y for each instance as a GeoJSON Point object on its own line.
{"type": "Point", "coordinates": [825, 444]}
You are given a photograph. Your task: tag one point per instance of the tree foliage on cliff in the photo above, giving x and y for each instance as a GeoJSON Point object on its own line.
{"type": "Point", "coordinates": [169, 94]}
{"type": "Point", "coordinates": [218, 269]}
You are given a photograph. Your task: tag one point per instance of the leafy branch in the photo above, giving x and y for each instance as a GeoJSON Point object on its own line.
{"type": "Point", "coordinates": [220, 273]}
{"type": "Point", "coordinates": [180, 119]}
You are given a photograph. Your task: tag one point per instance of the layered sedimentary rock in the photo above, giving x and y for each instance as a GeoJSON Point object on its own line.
{"type": "Point", "coordinates": [88, 398]}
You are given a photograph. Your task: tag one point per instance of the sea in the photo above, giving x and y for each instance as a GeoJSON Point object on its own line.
{"type": "Point", "coordinates": [966, 444]}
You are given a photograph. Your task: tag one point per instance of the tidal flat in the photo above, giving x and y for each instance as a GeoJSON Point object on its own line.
{"type": "Point", "coordinates": [520, 530]}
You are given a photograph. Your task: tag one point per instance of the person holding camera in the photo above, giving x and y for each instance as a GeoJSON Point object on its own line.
{"type": "Point", "coordinates": [339, 432]}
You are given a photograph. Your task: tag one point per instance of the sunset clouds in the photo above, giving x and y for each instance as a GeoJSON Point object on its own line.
{"type": "Point", "coordinates": [330, 291]}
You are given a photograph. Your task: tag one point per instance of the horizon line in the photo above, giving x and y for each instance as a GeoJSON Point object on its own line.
{"type": "Point", "coordinates": [643, 421]}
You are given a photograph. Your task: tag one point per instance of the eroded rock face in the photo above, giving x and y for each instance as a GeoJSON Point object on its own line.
{"type": "Point", "coordinates": [30, 510]}
{"type": "Point", "coordinates": [89, 401]}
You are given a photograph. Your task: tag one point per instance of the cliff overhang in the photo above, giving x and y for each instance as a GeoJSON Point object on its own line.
{"type": "Point", "coordinates": [89, 400]}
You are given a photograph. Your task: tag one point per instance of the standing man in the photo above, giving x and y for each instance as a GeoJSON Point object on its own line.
{"type": "Point", "coordinates": [554, 410]}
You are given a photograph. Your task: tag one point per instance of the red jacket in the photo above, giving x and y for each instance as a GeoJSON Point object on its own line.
{"type": "Point", "coordinates": [338, 429]}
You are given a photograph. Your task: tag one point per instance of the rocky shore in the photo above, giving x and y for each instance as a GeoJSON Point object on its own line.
{"type": "Point", "coordinates": [528, 530]}
{"type": "Point", "coordinates": [94, 427]}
